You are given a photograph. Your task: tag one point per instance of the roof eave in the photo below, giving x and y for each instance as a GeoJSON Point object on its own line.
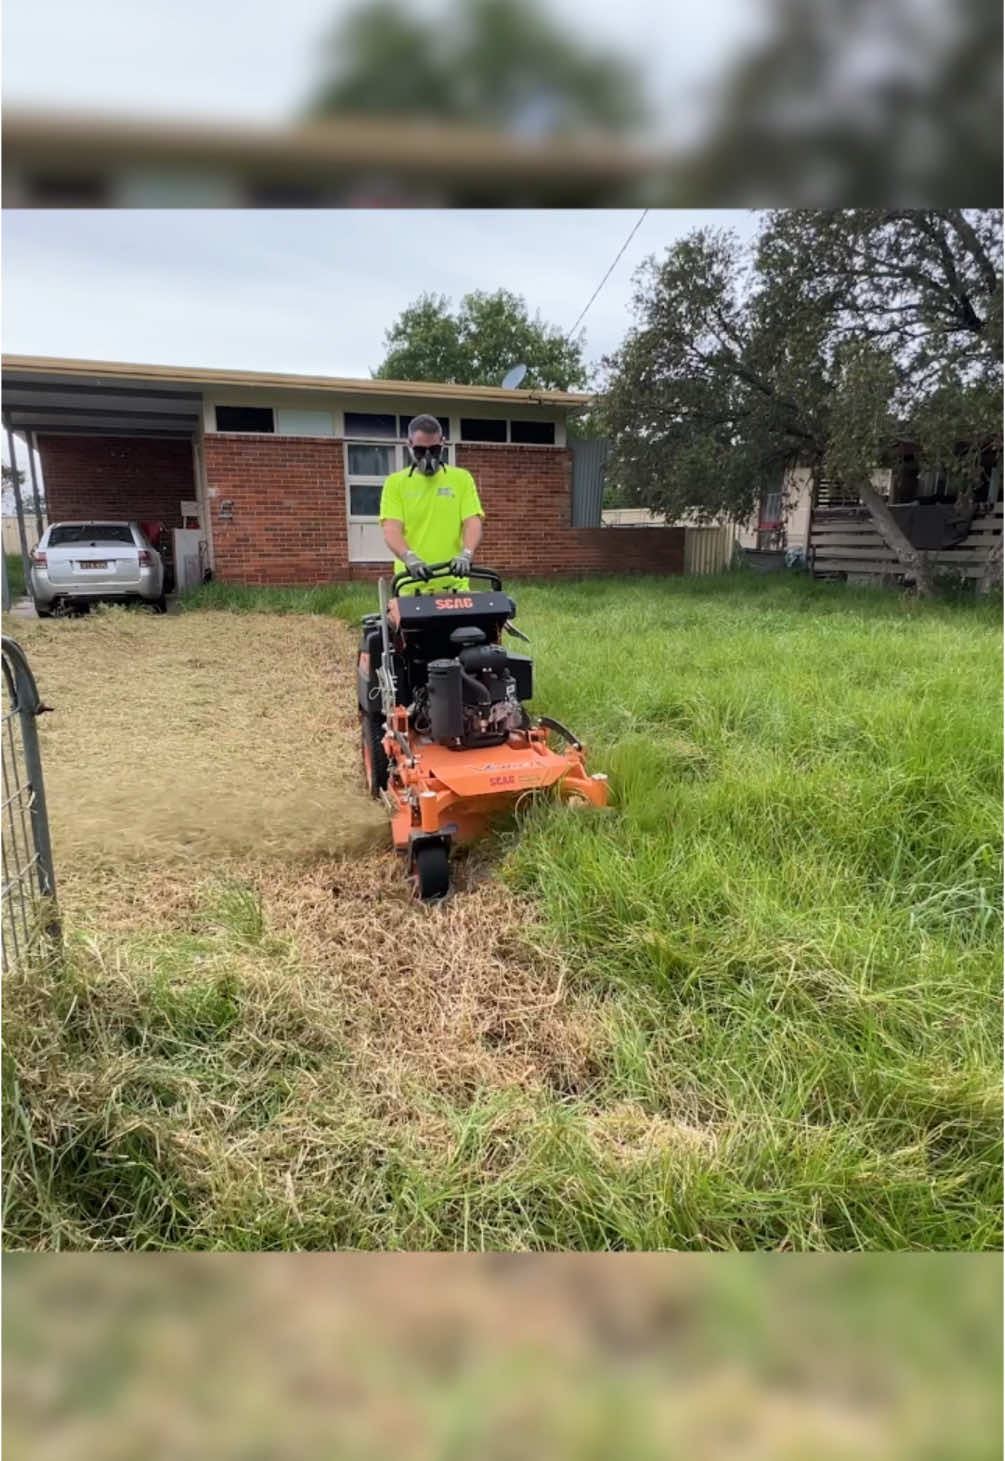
{"type": "Point", "coordinates": [56, 368]}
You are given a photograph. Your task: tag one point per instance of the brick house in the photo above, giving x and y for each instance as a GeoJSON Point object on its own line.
{"type": "Point", "coordinates": [280, 474]}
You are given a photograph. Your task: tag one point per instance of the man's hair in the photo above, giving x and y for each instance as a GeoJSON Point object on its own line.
{"type": "Point", "coordinates": [424, 423]}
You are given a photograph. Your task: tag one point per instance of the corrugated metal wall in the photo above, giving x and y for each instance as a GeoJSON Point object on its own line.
{"type": "Point", "coordinates": [589, 459]}
{"type": "Point", "coordinates": [708, 549]}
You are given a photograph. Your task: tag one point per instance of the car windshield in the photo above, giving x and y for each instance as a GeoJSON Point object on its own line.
{"type": "Point", "coordinates": [90, 533]}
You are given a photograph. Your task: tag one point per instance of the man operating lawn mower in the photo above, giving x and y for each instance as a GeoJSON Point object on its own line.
{"type": "Point", "coordinates": [430, 512]}
{"type": "Point", "coordinates": [447, 738]}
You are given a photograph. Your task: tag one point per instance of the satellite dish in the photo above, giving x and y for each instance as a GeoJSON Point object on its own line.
{"type": "Point", "coordinates": [513, 377]}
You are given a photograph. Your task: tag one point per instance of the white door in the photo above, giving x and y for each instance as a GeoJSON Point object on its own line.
{"type": "Point", "coordinates": [367, 464]}
{"type": "Point", "coordinates": [187, 558]}
{"type": "Point", "coordinates": [366, 543]}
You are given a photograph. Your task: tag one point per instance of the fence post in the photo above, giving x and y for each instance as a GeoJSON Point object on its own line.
{"type": "Point", "coordinates": [28, 868]}
{"type": "Point", "coordinates": [17, 500]}
{"type": "Point", "coordinates": [39, 525]}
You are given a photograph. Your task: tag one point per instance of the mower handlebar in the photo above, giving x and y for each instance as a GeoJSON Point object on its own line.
{"type": "Point", "coordinates": [438, 570]}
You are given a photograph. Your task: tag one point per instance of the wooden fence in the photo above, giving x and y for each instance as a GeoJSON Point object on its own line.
{"type": "Point", "coordinates": [844, 542]}
{"type": "Point", "coordinates": [708, 548]}
{"type": "Point", "coordinates": [11, 540]}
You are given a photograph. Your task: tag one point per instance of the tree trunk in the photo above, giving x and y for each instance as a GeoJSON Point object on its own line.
{"type": "Point", "coordinates": [991, 579]}
{"type": "Point", "coordinates": [913, 560]}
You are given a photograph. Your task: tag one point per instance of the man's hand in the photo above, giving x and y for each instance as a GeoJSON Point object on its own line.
{"type": "Point", "coordinates": [460, 566]}
{"type": "Point", "coordinates": [417, 568]}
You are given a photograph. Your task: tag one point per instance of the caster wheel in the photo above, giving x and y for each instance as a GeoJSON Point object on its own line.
{"type": "Point", "coordinates": [429, 873]}
{"type": "Point", "coordinates": [375, 768]}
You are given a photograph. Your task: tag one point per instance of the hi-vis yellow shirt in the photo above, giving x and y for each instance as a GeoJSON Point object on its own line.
{"type": "Point", "coordinates": [432, 510]}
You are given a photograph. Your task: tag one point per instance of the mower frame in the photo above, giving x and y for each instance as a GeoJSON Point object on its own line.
{"type": "Point", "coordinates": [439, 795]}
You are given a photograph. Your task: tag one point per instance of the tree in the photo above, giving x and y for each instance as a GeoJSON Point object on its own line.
{"type": "Point", "coordinates": [493, 63]}
{"type": "Point", "coordinates": [898, 102]}
{"type": "Point", "coordinates": [835, 337]}
{"type": "Point", "coordinates": [477, 345]}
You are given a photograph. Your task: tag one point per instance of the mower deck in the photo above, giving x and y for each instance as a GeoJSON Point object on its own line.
{"type": "Point", "coordinates": [458, 792]}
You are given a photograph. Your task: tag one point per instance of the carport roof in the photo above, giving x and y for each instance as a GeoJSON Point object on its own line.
{"type": "Point", "coordinates": [120, 398]}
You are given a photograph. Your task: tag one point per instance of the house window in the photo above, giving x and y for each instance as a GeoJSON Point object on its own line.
{"type": "Point", "coordinates": [292, 422]}
{"type": "Point", "coordinates": [50, 190]}
{"type": "Point", "coordinates": [770, 529]}
{"type": "Point", "coordinates": [244, 418]}
{"type": "Point", "coordinates": [367, 425]}
{"type": "Point", "coordinates": [771, 510]}
{"type": "Point", "coordinates": [482, 429]}
{"type": "Point", "coordinates": [404, 420]}
{"type": "Point", "coordinates": [364, 499]}
{"type": "Point", "coordinates": [283, 195]}
{"type": "Point", "coordinates": [371, 459]}
{"type": "Point", "coordinates": [367, 465]}
{"type": "Point", "coordinates": [532, 433]}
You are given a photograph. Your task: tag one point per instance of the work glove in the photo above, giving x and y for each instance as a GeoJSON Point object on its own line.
{"type": "Point", "coordinates": [417, 568]}
{"type": "Point", "coordinates": [460, 566]}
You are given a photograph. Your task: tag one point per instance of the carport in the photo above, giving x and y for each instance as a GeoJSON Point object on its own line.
{"type": "Point", "coordinates": [107, 449]}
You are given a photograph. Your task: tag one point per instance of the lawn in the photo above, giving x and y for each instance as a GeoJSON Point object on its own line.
{"type": "Point", "coordinates": [646, 1357]}
{"type": "Point", "coordinates": [15, 574]}
{"type": "Point", "coordinates": [757, 1005]}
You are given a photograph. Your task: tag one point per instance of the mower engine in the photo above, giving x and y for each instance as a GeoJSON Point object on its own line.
{"type": "Point", "coordinates": [472, 699]}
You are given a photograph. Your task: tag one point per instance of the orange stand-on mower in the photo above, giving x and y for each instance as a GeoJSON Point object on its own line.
{"type": "Point", "coordinates": [447, 742]}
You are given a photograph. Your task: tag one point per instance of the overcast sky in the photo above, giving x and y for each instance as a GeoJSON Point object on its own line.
{"type": "Point", "coordinates": [306, 291]}
{"type": "Point", "coordinates": [260, 61]}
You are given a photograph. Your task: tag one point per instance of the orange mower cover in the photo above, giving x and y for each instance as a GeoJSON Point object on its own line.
{"type": "Point", "coordinates": [448, 743]}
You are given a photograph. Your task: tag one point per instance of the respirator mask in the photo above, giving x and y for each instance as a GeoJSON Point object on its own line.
{"type": "Point", "coordinates": [426, 459]}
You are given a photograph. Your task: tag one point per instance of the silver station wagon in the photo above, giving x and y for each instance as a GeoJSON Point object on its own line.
{"type": "Point", "coordinates": [81, 563]}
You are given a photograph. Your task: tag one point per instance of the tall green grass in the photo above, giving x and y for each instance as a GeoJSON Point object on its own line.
{"type": "Point", "coordinates": [788, 926]}
{"type": "Point", "coordinates": [796, 900]}
{"type": "Point", "coordinates": [348, 601]}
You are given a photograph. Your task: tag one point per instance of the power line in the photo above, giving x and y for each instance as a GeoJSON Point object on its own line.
{"type": "Point", "coordinates": [610, 271]}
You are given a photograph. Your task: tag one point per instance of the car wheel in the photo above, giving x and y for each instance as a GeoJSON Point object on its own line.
{"type": "Point", "coordinates": [42, 613]}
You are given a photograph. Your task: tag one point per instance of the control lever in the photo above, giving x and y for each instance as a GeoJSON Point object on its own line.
{"type": "Point", "coordinates": [516, 633]}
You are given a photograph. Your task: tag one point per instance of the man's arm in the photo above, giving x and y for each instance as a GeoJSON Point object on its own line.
{"type": "Point", "coordinates": [471, 534]}
{"type": "Point", "coordinates": [394, 537]}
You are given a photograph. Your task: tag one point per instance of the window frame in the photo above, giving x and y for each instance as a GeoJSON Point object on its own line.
{"type": "Point", "coordinates": [361, 479]}
{"type": "Point", "coordinates": [527, 421]}
{"type": "Point", "coordinates": [241, 431]}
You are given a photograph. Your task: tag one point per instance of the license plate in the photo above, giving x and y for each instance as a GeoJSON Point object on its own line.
{"type": "Point", "coordinates": [94, 563]}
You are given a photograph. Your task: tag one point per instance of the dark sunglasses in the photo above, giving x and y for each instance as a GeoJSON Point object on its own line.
{"type": "Point", "coordinates": [420, 451]}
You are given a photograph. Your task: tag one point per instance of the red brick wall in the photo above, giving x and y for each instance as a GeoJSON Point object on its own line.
{"type": "Point", "coordinates": [139, 478]}
{"type": "Point", "coordinates": [289, 522]}
{"type": "Point", "coordinates": [526, 492]}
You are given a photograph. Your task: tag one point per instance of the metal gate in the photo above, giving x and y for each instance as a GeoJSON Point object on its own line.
{"type": "Point", "coordinates": [30, 917]}
{"type": "Point", "coordinates": [589, 460]}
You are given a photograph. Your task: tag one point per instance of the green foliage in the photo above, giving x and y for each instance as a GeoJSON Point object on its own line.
{"type": "Point", "coordinates": [493, 63]}
{"type": "Point", "coordinates": [478, 343]}
{"type": "Point", "coordinates": [864, 382]}
{"type": "Point", "coordinates": [836, 336]}
{"type": "Point", "coordinates": [860, 127]}
{"type": "Point", "coordinates": [15, 574]}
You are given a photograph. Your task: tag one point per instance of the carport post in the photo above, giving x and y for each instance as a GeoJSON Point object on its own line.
{"type": "Point", "coordinates": [17, 501]}
{"type": "Point", "coordinates": [30, 439]}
